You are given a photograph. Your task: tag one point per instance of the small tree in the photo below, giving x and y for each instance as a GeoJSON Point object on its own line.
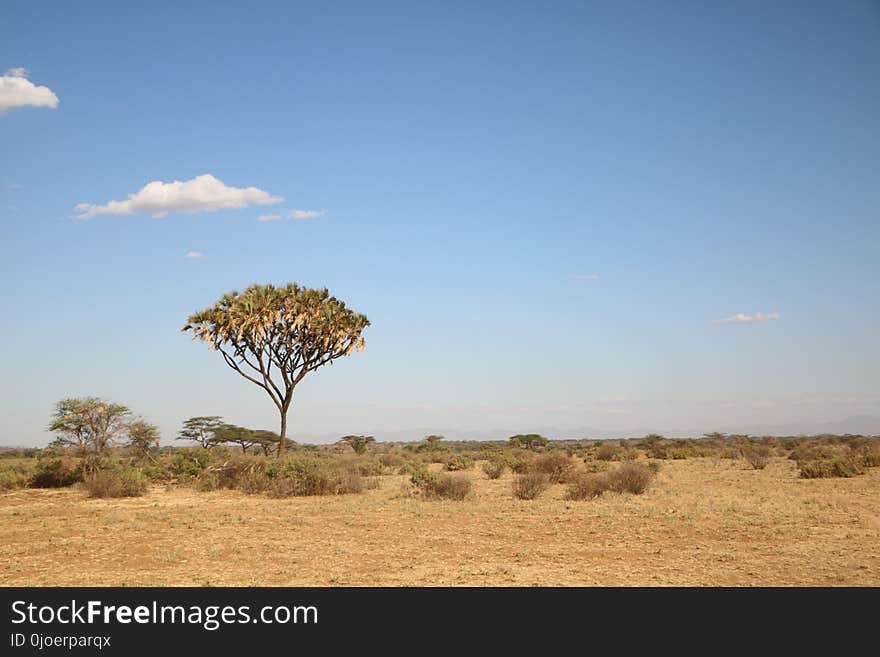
{"type": "Point", "coordinates": [229, 433]}
{"type": "Point", "coordinates": [274, 336]}
{"type": "Point", "coordinates": [200, 430]}
{"type": "Point", "coordinates": [89, 424]}
{"type": "Point", "coordinates": [528, 441]}
{"type": "Point", "coordinates": [358, 443]}
{"type": "Point", "coordinates": [266, 440]}
{"type": "Point", "coordinates": [143, 437]}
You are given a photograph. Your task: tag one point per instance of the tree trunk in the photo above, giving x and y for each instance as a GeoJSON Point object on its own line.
{"type": "Point", "coordinates": [283, 432]}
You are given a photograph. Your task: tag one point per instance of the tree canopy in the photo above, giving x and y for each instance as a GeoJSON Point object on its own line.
{"type": "Point", "coordinates": [358, 443]}
{"type": "Point", "coordinates": [88, 423]}
{"type": "Point", "coordinates": [200, 429]}
{"type": "Point", "coordinates": [528, 440]}
{"type": "Point", "coordinates": [274, 336]}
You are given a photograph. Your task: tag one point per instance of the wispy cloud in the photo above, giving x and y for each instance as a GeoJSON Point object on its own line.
{"type": "Point", "coordinates": [306, 214]}
{"type": "Point", "coordinates": [586, 277]}
{"type": "Point", "coordinates": [741, 318]}
{"type": "Point", "coordinates": [17, 91]}
{"type": "Point", "coordinates": [195, 255]}
{"type": "Point", "coordinates": [269, 217]}
{"type": "Point", "coordinates": [201, 194]}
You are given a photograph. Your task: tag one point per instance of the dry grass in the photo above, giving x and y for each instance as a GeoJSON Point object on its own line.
{"type": "Point", "coordinates": [702, 522]}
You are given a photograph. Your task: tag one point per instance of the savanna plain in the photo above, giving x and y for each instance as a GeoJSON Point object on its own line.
{"type": "Point", "coordinates": [721, 512]}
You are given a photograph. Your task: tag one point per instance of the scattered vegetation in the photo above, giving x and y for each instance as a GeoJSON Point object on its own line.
{"type": "Point", "coordinates": [124, 482]}
{"type": "Point", "coordinates": [530, 485]}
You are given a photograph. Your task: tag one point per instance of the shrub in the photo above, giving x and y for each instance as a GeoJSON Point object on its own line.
{"type": "Point", "coordinates": [522, 464]}
{"type": "Point", "coordinates": [56, 473]}
{"type": "Point", "coordinates": [368, 467]}
{"type": "Point", "coordinates": [608, 452]}
{"type": "Point", "coordinates": [392, 461]}
{"type": "Point", "coordinates": [419, 475]}
{"type": "Point", "coordinates": [630, 478]}
{"type": "Point", "coordinates": [494, 469]}
{"type": "Point", "coordinates": [458, 462]}
{"type": "Point", "coordinates": [310, 475]}
{"type": "Point", "coordinates": [126, 482]}
{"type": "Point", "coordinates": [15, 475]}
{"type": "Point", "coordinates": [586, 486]}
{"type": "Point", "coordinates": [530, 485]}
{"type": "Point", "coordinates": [758, 456]}
{"type": "Point", "coordinates": [556, 465]}
{"type": "Point", "coordinates": [837, 467]}
{"type": "Point", "coordinates": [154, 472]}
{"type": "Point", "coordinates": [872, 459]}
{"type": "Point", "coordinates": [447, 487]}
{"type": "Point", "coordinates": [189, 462]}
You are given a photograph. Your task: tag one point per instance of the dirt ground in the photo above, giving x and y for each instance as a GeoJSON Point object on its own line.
{"type": "Point", "coordinates": [704, 522]}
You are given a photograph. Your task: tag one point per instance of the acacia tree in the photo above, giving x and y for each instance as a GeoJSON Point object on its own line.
{"type": "Point", "coordinates": [358, 443]}
{"type": "Point", "coordinates": [528, 441]}
{"type": "Point", "coordinates": [230, 433]}
{"type": "Point", "coordinates": [200, 429]}
{"type": "Point", "coordinates": [87, 423]}
{"type": "Point", "coordinates": [274, 336]}
{"type": "Point", "coordinates": [143, 437]}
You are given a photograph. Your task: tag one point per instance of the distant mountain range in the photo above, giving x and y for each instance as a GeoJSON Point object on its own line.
{"type": "Point", "coordinates": [857, 424]}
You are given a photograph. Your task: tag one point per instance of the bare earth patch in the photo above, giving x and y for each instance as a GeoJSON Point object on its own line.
{"type": "Point", "coordinates": [703, 522]}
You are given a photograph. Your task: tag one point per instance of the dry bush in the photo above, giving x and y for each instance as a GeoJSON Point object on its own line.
{"type": "Point", "coordinates": [232, 473]}
{"type": "Point", "coordinates": [116, 483]}
{"type": "Point", "coordinates": [15, 475]}
{"type": "Point", "coordinates": [530, 485]}
{"type": "Point", "coordinates": [834, 467]}
{"type": "Point", "coordinates": [556, 465]}
{"type": "Point", "coordinates": [757, 456]}
{"type": "Point", "coordinates": [522, 463]}
{"type": "Point", "coordinates": [447, 487]}
{"type": "Point", "coordinates": [458, 462]}
{"type": "Point", "coordinates": [608, 452]}
{"type": "Point", "coordinates": [629, 478]}
{"type": "Point", "coordinates": [586, 486]}
{"type": "Point", "coordinates": [392, 461]}
{"type": "Point", "coordinates": [494, 469]}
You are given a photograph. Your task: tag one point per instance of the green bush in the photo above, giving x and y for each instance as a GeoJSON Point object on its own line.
{"type": "Point", "coordinates": [310, 475]}
{"type": "Point", "coordinates": [530, 485]}
{"type": "Point", "coordinates": [189, 462]}
{"type": "Point", "coordinates": [154, 472]}
{"type": "Point", "coordinates": [57, 473]}
{"type": "Point", "coordinates": [122, 482]}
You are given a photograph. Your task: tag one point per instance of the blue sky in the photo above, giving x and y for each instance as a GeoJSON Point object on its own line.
{"type": "Point", "coordinates": [543, 208]}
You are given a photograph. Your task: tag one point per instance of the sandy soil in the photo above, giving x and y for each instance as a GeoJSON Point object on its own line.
{"type": "Point", "coordinates": [704, 522]}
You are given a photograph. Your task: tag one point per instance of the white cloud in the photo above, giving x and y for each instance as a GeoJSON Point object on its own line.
{"type": "Point", "coordinates": [741, 318]}
{"type": "Point", "coordinates": [306, 214]}
{"type": "Point", "coordinates": [195, 255]}
{"type": "Point", "coordinates": [201, 194]}
{"type": "Point", "coordinates": [17, 91]}
{"type": "Point", "coordinates": [269, 217]}
{"type": "Point", "coordinates": [586, 277]}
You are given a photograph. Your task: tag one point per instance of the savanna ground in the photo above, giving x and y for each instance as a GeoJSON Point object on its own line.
{"type": "Point", "coordinates": [703, 521]}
